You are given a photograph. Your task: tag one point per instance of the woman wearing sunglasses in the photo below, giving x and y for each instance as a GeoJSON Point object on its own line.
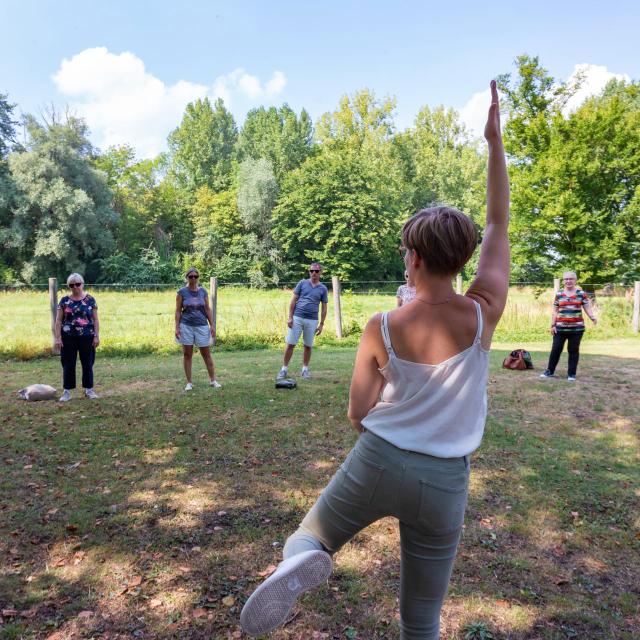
{"type": "Point", "coordinates": [77, 331]}
{"type": "Point", "coordinates": [194, 326]}
{"type": "Point", "coordinates": [418, 401]}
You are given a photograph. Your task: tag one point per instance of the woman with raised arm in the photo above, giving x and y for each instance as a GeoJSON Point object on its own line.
{"type": "Point", "coordinates": [418, 401]}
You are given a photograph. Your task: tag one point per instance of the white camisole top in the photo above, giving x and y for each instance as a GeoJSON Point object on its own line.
{"type": "Point", "coordinates": [436, 409]}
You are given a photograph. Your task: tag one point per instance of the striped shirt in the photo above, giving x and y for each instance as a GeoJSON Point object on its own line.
{"type": "Point", "coordinates": [569, 310]}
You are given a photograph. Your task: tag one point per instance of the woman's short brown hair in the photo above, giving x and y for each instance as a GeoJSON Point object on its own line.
{"type": "Point", "coordinates": [443, 237]}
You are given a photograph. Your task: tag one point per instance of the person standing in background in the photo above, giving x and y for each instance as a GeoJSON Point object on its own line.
{"type": "Point", "coordinates": [567, 325]}
{"type": "Point", "coordinates": [194, 326]}
{"type": "Point", "coordinates": [303, 318]}
{"type": "Point", "coordinates": [77, 331]}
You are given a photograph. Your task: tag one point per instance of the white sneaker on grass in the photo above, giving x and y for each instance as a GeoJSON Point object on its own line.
{"type": "Point", "coordinates": [271, 603]}
{"type": "Point", "coordinates": [91, 394]}
{"type": "Point", "coordinates": [305, 373]}
{"type": "Point", "coordinates": [66, 396]}
{"type": "Point", "coordinates": [188, 387]}
{"type": "Point", "coordinates": [215, 384]}
{"type": "Point", "coordinates": [282, 374]}
{"type": "Point", "coordinates": [546, 374]}
{"type": "Point", "coordinates": [571, 378]}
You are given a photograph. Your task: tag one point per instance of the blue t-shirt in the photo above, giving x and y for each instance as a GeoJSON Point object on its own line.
{"type": "Point", "coordinates": [194, 305]}
{"type": "Point", "coordinates": [309, 298]}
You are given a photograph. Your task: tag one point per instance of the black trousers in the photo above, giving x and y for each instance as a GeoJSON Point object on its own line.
{"type": "Point", "coordinates": [71, 347]}
{"type": "Point", "coordinates": [573, 348]}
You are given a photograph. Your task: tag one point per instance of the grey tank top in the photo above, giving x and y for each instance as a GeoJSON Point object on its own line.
{"type": "Point", "coordinates": [436, 409]}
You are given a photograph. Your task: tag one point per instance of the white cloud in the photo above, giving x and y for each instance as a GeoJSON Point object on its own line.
{"type": "Point", "coordinates": [474, 113]}
{"type": "Point", "coordinates": [123, 103]}
{"type": "Point", "coordinates": [594, 79]}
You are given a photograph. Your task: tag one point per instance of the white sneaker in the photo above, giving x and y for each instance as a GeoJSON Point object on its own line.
{"type": "Point", "coordinates": [282, 374]}
{"type": "Point", "coordinates": [306, 374]}
{"type": "Point", "coordinates": [90, 393]}
{"type": "Point", "coordinates": [270, 604]}
{"type": "Point", "coordinates": [66, 396]}
{"type": "Point", "coordinates": [571, 378]}
{"type": "Point", "coordinates": [215, 384]}
{"type": "Point", "coordinates": [188, 387]}
{"type": "Point", "coordinates": [546, 374]}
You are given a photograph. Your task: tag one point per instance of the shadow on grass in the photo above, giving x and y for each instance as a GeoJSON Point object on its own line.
{"type": "Point", "coordinates": [153, 514]}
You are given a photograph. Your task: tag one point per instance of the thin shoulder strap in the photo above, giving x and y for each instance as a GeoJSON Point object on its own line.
{"type": "Point", "coordinates": [384, 326]}
{"type": "Point", "coordinates": [479, 314]}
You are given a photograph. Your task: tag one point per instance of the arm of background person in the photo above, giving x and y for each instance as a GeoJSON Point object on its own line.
{"type": "Point", "coordinates": [178, 314]}
{"type": "Point", "coordinates": [323, 315]}
{"type": "Point", "coordinates": [588, 308]}
{"type": "Point", "coordinates": [57, 329]}
{"type": "Point", "coordinates": [367, 381]}
{"type": "Point", "coordinates": [554, 315]}
{"type": "Point", "coordinates": [292, 308]}
{"type": "Point", "coordinates": [209, 314]}
{"type": "Point", "coordinates": [96, 327]}
{"type": "Point", "coordinates": [491, 284]}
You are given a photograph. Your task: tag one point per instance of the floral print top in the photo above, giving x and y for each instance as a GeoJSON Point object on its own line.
{"type": "Point", "coordinates": [77, 315]}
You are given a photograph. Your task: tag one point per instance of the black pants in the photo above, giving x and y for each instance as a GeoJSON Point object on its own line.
{"type": "Point", "coordinates": [71, 347]}
{"type": "Point", "coordinates": [573, 338]}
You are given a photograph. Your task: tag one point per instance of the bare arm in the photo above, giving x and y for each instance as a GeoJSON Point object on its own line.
{"type": "Point", "coordinates": [57, 330]}
{"type": "Point", "coordinates": [96, 327]}
{"type": "Point", "coordinates": [323, 315]}
{"type": "Point", "coordinates": [588, 308]}
{"type": "Point", "coordinates": [292, 308]}
{"type": "Point", "coordinates": [491, 284]}
{"type": "Point", "coordinates": [178, 314]}
{"type": "Point", "coordinates": [209, 313]}
{"type": "Point", "coordinates": [367, 380]}
{"type": "Point", "coordinates": [399, 300]}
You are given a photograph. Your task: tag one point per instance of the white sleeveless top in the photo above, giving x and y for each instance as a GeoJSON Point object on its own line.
{"type": "Point", "coordinates": [437, 409]}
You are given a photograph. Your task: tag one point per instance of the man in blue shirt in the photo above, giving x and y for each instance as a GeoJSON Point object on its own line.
{"type": "Point", "coordinates": [303, 318]}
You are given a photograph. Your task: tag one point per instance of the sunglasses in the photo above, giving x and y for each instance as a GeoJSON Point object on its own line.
{"type": "Point", "coordinates": [75, 284]}
{"type": "Point", "coordinates": [314, 270]}
{"type": "Point", "coordinates": [193, 277]}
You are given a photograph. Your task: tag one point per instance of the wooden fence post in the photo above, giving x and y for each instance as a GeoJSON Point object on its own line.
{"type": "Point", "coordinates": [335, 282]}
{"type": "Point", "coordinates": [556, 285]}
{"type": "Point", "coordinates": [459, 284]}
{"type": "Point", "coordinates": [213, 301]}
{"type": "Point", "coordinates": [636, 306]}
{"type": "Point", "coordinates": [53, 307]}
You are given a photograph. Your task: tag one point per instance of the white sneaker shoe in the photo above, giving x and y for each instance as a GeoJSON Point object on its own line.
{"type": "Point", "coordinates": [90, 393]}
{"type": "Point", "coordinates": [270, 604]}
{"type": "Point", "coordinates": [282, 374]}
{"type": "Point", "coordinates": [188, 387]}
{"type": "Point", "coordinates": [66, 396]}
{"type": "Point", "coordinates": [306, 374]}
{"type": "Point", "coordinates": [215, 384]}
{"type": "Point", "coordinates": [571, 378]}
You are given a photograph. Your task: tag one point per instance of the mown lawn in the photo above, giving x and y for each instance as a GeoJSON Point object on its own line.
{"type": "Point", "coordinates": [153, 514]}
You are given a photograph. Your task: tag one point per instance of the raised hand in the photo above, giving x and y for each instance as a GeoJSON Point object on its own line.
{"type": "Point", "coordinates": [492, 128]}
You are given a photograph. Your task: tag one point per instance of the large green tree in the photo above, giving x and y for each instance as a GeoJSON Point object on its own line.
{"type": "Point", "coordinates": [278, 135]}
{"type": "Point", "coordinates": [61, 219]}
{"type": "Point", "coordinates": [8, 259]}
{"type": "Point", "coordinates": [574, 178]}
{"type": "Point", "coordinates": [202, 148]}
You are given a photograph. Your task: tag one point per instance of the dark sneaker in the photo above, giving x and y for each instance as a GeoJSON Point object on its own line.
{"type": "Point", "coordinates": [270, 604]}
{"type": "Point", "coordinates": [546, 374]}
{"type": "Point", "coordinates": [571, 378]}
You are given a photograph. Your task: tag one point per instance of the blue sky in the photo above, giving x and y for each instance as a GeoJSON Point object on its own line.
{"type": "Point", "coordinates": [132, 66]}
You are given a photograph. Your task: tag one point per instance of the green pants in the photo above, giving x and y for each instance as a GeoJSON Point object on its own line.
{"type": "Point", "coordinates": [428, 495]}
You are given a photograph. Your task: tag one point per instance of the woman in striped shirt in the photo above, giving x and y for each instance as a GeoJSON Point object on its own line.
{"type": "Point", "coordinates": [567, 325]}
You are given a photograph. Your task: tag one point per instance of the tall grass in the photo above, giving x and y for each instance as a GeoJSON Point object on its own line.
{"type": "Point", "coordinates": [134, 322]}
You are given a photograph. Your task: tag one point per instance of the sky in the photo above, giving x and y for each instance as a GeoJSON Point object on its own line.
{"type": "Point", "coordinates": [130, 67]}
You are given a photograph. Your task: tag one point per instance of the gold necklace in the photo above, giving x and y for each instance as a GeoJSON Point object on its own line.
{"type": "Point", "coordinates": [433, 304]}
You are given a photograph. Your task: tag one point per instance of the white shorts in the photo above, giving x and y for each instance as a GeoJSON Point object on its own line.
{"type": "Point", "coordinates": [199, 336]}
{"type": "Point", "coordinates": [304, 326]}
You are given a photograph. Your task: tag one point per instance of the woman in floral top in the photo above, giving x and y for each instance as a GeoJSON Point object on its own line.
{"type": "Point", "coordinates": [406, 292]}
{"type": "Point", "coordinates": [77, 332]}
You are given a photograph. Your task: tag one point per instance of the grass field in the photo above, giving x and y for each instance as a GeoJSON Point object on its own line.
{"type": "Point", "coordinates": [135, 323]}
{"type": "Point", "coordinates": [153, 514]}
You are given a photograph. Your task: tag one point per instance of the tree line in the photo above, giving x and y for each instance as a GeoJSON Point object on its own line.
{"type": "Point", "coordinates": [256, 203]}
